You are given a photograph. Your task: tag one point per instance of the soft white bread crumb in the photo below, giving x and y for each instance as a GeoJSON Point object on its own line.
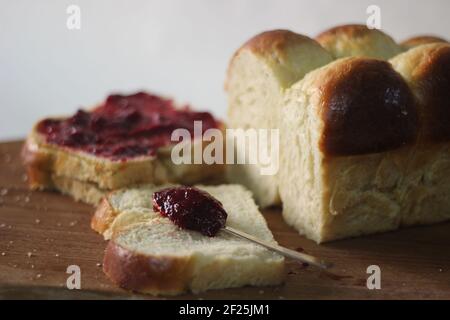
{"type": "Point", "coordinates": [154, 256]}
{"type": "Point", "coordinates": [258, 75]}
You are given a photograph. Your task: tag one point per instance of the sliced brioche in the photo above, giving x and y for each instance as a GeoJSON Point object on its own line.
{"type": "Point", "coordinates": [344, 129]}
{"type": "Point", "coordinates": [358, 40]}
{"type": "Point", "coordinates": [258, 75]}
{"type": "Point", "coordinates": [149, 254]}
{"type": "Point", "coordinates": [49, 164]}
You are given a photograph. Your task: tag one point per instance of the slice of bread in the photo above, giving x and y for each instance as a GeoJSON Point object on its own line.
{"type": "Point", "coordinates": [49, 165]}
{"type": "Point", "coordinates": [149, 254]}
{"type": "Point", "coordinates": [258, 74]}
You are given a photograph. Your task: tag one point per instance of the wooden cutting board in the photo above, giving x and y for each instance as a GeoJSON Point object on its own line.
{"type": "Point", "coordinates": [42, 233]}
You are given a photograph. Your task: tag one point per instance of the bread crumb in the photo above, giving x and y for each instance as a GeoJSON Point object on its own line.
{"type": "Point", "coordinates": [2, 225]}
{"type": "Point", "coordinates": [10, 227]}
{"type": "Point", "coordinates": [29, 254]}
{"type": "Point", "coordinates": [38, 276]}
{"type": "Point", "coordinates": [27, 199]}
{"type": "Point", "coordinates": [11, 242]}
{"type": "Point", "coordinates": [37, 221]}
{"type": "Point", "coordinates": [3, 253]}
{"type": "Point", "coordinates": [4, 192]}
{"type": "Point", "coordinates": [32, 266]}
{"type": "Point", "coordinates": [56, 254]}
{"type": "Point", "coordinates": [440, 269]}
{"type": "Point", "coordinates": [59, 224]}
{"type": "Point", "coordinates": [98, 264]}
{"type": "Point", "coordinates": [73, 223]}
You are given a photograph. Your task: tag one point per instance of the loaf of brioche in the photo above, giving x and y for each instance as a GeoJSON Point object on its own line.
{"type": "Point", "coordinates": [148, 253]}
{"type": "Point", "coordinates": [364, 142]}
{"type": "Point", "coordinates": [259, 73]}
{"type": "Point", "coordinates": [87, 177]}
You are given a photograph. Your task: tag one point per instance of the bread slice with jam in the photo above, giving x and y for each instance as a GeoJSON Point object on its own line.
{"type": "Point", "coordinates": [124, 141]}
{"type": "Point", "coordinates": [148, 253]}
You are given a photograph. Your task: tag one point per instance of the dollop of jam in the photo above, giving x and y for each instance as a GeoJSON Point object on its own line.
{"type": "Point", "coordinates": [124, 126]}
{"type": "Point", "coordinates": [191, 208]}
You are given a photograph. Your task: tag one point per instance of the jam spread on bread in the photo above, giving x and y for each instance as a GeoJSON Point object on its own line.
{"type": "Point", "coordinates": [123, 126]}
{"type": "Point", "coordinates": [191, 208]}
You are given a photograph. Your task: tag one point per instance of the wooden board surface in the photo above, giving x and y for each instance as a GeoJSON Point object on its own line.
{"type": "Point", "coordinates": [42, 233]}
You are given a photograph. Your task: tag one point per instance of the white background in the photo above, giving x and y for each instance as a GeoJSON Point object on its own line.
{"type": "Point", "coordinates": [177, 48]}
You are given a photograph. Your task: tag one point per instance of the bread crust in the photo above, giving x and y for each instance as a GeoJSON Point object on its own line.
{"type": "Point", "coordinates": [103, 217]}
{"type": "Point", "coordinates": [277, 48]}
{"type": "Point", "coordinates": [358, 40]}
{"type": "Point", "coordinates": [420, 40]}
{"type": "Point", "coordinates": [366, 107]}
{"type": "Point", "coordinates": [146, 274]}
{"type": "Point", "coordinates": [268, 42]}
{"type": "Point", "coordinates": [431, 78]}
{"type": "Point", "coordinates": [350, 30]}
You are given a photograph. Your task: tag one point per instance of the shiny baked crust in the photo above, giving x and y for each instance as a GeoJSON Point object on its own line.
{"type": "Point", "coordinates": [427, 70]}
{"type": "Point", "coordinates": [366, 108]}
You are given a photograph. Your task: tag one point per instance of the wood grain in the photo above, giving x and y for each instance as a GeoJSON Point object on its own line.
{"type": "Point", "coordinates": [42, 233]}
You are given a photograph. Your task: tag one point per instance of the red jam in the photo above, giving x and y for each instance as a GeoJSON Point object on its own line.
{"type": "Point", "coordinates": [124, 126]}
{"type": "Point", "coordinates": [191, 208]}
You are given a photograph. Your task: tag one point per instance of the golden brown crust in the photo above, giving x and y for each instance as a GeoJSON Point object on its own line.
{"type": "Point", "coordinates": [431, 80]}
{"type": "Point", "coordinates": [351, 30]}
{"type": "Point", "coordinates": [142, 273]}
{"type": "Point", "coordinates": [38, 167]}
{"type": "Point", "coordinates": [420, 40]}
{"type": "Point", "coordinates": [366, 107]}
{"type": "Point", "coordinates": [103, 217]}
{"type": "Point", "coordinates": [358, 40]}
{"type": "Point", "coordinates": [273, 41]}
{"type": "Point", "coordinates": [272, 45]}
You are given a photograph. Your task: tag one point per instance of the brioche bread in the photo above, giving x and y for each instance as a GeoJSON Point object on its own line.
{"type": "Point", "coordinates": [420, 40]}
{"type": "Point", "coordinates": [86, 176]}
{"type": "Point", "coordinates": [149, 254]}
{"type": "Point", "coordinates": [423, 194]}
{"type": "Point", "coordinates": [364, 143]}
{"type": "Point", "coordinates": [343, 131]}
{"type": "Point", "coordinates": [358, 40]}
{"type": "Point", "coordinates": [258, 75]}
